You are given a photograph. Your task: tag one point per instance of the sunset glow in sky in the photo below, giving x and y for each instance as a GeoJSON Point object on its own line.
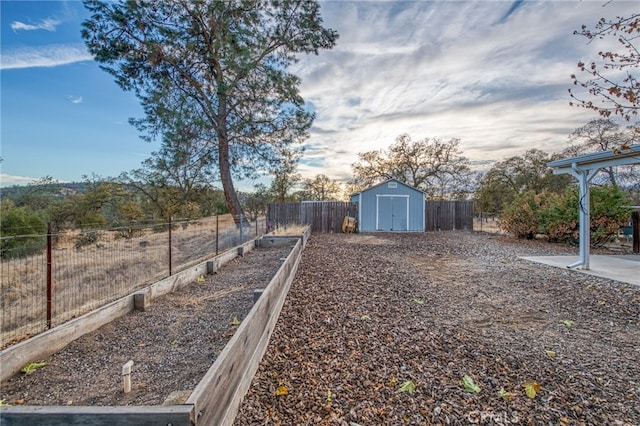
{"type": "Point", "coordinates": [494, 74]}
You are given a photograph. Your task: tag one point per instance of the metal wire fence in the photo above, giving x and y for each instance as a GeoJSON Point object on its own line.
{"type": "Point", "coordinates": [74, 272]}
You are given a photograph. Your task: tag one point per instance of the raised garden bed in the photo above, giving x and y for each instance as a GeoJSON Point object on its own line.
{"type": "Point", "coordinates": [172, 343]}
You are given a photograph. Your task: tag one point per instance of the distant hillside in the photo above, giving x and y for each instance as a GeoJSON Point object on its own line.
{"type": "Point", "coordinates": [16, 192]}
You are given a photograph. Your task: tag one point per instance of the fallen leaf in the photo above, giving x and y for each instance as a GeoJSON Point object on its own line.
{"type": "Point", "coordinates": [32, 366]}
{"type": "Point", "coordinates": [470, 385]}
{"type": "Point", "coordinates": [200, 279]}
{"type": "Point", "coordinates": [531, 389]}
{"type": "Point", "coordinates": [282, 390]}
{"type": "Point", "coordinates": [568, 323]}
{"type": "Point", "coordinates": [174, 341]}
{"type": "Point", "coordinates": [235, 321]}
{"type": "Point", "coordinates": [550, 354]}
{"type": "Point", "coordinates": [408, 386]}
{"type": "Point", "coordinates": [418, 301]}
{"type": "Point", "coordinates": [507, 396]}
{"type": "Point", "coordinates": [365, 318]}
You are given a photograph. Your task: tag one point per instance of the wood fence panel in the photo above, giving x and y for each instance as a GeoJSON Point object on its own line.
{"type": "Point", "coordinates": [448, 215]}
{"type": "Point", "coordinates": [321, 216]}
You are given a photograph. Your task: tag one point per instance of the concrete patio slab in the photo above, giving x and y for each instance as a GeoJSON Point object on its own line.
{"type": "Point", "coordinates": [623, 268]}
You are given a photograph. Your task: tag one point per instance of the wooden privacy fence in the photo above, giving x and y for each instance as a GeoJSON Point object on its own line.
{"type": "Point", "coordinates": [448, 215]}
{"type": "Point", "coordinates": [327, 216]}
{"type": "Point", "coordinates": [321, 216]}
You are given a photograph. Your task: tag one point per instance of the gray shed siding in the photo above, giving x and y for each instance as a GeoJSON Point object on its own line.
{"type": "Point", "coordinates": [390, 206]}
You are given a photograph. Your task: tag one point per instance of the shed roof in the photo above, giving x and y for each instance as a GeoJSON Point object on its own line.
{"type": "Point", "coordinates": [385, 182]}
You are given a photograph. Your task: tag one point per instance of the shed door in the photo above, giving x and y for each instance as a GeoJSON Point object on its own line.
{"type": "Point", "coordinates": [392, 213]}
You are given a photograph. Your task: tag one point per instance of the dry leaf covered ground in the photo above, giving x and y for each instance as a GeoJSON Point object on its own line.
{"type": "Point", "coordinates": [382, 330]}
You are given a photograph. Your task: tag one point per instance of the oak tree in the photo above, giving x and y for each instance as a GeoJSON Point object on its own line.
{"type": "Point", "coordinates": [517, 175]}
{"type": "Point", "coordinates": [432, 165]}
{"type": "Point", "coordinates": [321, 188]}
{"type": "Point", "coordinates": [603, 134]}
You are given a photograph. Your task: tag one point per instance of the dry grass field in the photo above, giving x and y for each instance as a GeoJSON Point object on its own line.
{"type": "Point", "coordinates": [87, 277]}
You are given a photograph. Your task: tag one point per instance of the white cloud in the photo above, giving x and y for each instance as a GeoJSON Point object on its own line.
{"type": "Point", "coordinates": [492, 75]}
{"type": "Point", "coordinates": [47, 24]}
{"type": "Point", "coordinates": [9, 180]}
{"type": "Point", "coordinates": [44, 56]}
{"type": "Point", "coordinates": [75, 99]}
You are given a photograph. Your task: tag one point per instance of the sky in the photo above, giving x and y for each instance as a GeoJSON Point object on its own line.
{"type": "Point", "coordinates": [493, 74]}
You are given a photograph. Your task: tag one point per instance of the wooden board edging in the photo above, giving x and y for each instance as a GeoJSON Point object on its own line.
{"type": "Point", "coordinates": [218, 396]}
{"type": "Point", "coordinates": [175, 415]}
{"type": "Point", "coordinates": [38, 347]}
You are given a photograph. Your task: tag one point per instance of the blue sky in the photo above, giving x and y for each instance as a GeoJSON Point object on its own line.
{"type": "Point", "coordinates": [494, 74]}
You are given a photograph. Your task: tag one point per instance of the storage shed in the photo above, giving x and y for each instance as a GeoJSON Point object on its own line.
{"type": "Point", "coordinates": [390, 206]}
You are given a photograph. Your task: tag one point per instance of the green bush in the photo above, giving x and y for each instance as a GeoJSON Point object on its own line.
{"type": "Point", "coordinates": [22, 231]}
{"type": "Point", "coordinates": [521, 216]}
{"type": "Point", "coordinates": [557, 216]}
{"type": "Point", "coordinates": [561, 222]}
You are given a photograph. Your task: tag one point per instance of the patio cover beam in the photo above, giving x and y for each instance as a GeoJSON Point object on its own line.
{"type": "Point", "coordinates": [584, 168]}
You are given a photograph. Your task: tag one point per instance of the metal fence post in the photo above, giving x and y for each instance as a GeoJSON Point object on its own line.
{"type": "Point", "coordinates": [170, 220]}
{"type": "Point", "coordinates": [217, 229]}
{"type": "Point", "coordinates": [49, 277]}
{"type": "Point", "coordinates": [635, 231]}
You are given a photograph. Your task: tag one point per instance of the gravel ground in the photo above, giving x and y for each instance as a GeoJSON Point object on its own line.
{"type": "Point", "coordinates": [172, 344]}
{"type": "Point", "coordinates": [382, 329]}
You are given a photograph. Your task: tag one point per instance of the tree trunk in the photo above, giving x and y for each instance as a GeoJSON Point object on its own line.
{"type": "Point", "coordinates": [230, 195]}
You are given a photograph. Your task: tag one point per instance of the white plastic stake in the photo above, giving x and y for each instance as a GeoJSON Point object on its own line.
{"type": "Point", "coordinates": [126, 376]}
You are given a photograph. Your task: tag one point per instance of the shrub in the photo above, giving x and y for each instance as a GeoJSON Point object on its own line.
{"type": "Point", "coordinates": [87, 238]}
{"type": "Point", "coordinates": [521, 216]}
{"type": "Point", "coordinates": [22, 231]}
{"type": "Point", "coordinates": [559, 220]}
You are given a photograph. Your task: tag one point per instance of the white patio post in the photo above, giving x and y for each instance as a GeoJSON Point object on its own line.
{"type": "Point", "coordinates": [584, 208]}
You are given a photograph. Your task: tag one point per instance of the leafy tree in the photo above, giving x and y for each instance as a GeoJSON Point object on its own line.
{"type": "Point", "coordinates": [21, 230]}
{"type": "Point", "coordinates": [432, 165]}
{"type": "Point", "coordinates": [39, 194]}
{"type": "Point", "coordinates": [175, 175]}
{"type": "Point", "coordinates": [285, 179]}
{"type": "Point", "coordinates": [321, 188]}
{"type": "Point", "coordinates": [216, 67]}
{"type": "Point", "coordinates": [255, 204]}
{"type": "Point", "coordinates": [517, 175]}
{"type": "Point", "coordinates": [97, 207]}
{"type": "Point", "coordinates": [603, 134]}
{"type": "Point", "coordinates": [612, 79]}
